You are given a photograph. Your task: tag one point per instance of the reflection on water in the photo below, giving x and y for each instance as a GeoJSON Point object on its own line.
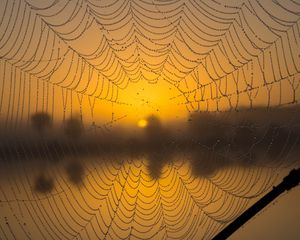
{"type": "Point", "coordinates": [75, 172]}
{"type": "Point", "coordinates": [156, 185]}
{"type": "Point", "coordinates": [43, 184]}
{"type": "Point", "coordinates": [118, 196]}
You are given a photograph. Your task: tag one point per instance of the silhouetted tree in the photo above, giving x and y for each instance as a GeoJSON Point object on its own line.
{"type": "Point", "coordinates": [73, 127]}
{"type": "Point", "coordinates": [156, 146]}
{"type": "Point", "coordinates": [41, 121]}
{"type": "Point", "coordinates": [154, 130]}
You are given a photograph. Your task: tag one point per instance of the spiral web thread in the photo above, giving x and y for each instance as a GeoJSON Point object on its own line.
{"type": "Point", "coordinates": [219, 55]}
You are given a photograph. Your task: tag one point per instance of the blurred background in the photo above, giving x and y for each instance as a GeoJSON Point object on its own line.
{"type": "Point", "coordinates": [147, 119]}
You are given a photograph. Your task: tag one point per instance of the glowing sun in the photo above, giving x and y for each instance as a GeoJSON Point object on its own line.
{"type": "Point", "coordinates": [142, 123]}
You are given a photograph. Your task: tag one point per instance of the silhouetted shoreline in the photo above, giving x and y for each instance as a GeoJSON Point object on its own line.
{"type": "Point", "coordinates": [257, 137]}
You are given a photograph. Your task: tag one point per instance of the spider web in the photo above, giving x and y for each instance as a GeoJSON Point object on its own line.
{"type": "Point", "coordinates": [64, 57]}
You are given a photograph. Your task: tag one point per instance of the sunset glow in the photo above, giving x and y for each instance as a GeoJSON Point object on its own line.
{"type": "Point", "coordinates": [143, 123]}
{"type": "Point", "coordinates": [145, 119]}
